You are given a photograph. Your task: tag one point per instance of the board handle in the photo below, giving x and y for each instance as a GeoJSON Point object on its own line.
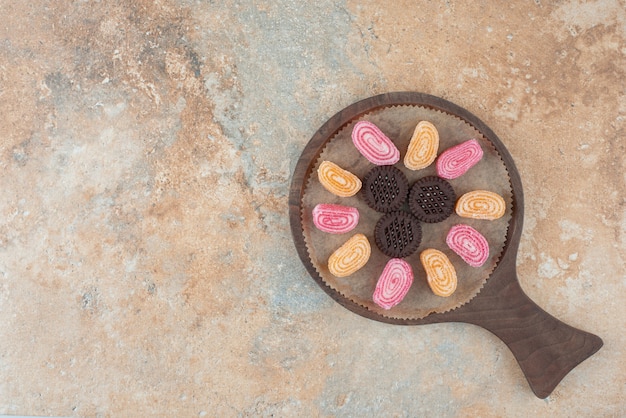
{"type": "Point", "coordinates": [545, 348]}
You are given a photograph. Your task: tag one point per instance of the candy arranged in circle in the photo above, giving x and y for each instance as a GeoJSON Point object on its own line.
{"type": "Point", "coordinates": [338, 181]}
{"type": "Point", "coordinates": [432, 199]}
{"type": "Point", "coordinates": [335, 219]}
{"type": "Point", "coordinates": [385, 188]}
{"type": "Point", "coordinates": [440, 272]}
{"type": "Point", "coordinates": [423, 147]}
{"type": "Point", "coordinates": [469, 244]}
{"type": "Point", "coordinates": [393, 284]}
{"type": "Point", "coordinates": [350, 257]}
{"type": "Point", "coordinates": [481, 204]}
{"type": "Point", "coordinates": [398, 234]}
{"type": "Point", "coordinates": [374, 144]}
{"type": "Point", "coordinates": [455, 161]}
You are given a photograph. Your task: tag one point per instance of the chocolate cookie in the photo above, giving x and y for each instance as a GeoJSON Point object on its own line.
{"type": "Point", "coordinates": [432, 199]}
{"type": "Point", "coordinates": [385, 188]}
{"type": "Point", "coordinates": [398, 234]}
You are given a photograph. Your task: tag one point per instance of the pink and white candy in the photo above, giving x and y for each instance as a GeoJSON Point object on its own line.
{"type": "Point", "coordinates": [469, 244]}
{"type": "Point", "coordinates": [393, 284]}
{"type": "Point", "coordinates": [455, 161]}
{"type": "Point", "coordinates": [335, 219]}
{"type": "Point", "coordinates": [374, 144]}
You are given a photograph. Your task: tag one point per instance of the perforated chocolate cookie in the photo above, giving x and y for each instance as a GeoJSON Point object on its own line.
{"type": "Point", "coordinates": [385, 188]}
{"type": "Point", "coordinates": [398, 234]}
{"type": "Point", "coordinates": [432, 199]}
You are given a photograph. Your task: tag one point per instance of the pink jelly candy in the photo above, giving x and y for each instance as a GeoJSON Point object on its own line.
{"type": "Point", "coordinates": [469, 244]}
{"type": "Point", "coordinates": [335, 219]}
{"type": "Point", "coordinates": [393, 284]}
{"type": "Point", "coordinates": [374, 145]}
{"type": "Point", "coordinates": [455, 161]}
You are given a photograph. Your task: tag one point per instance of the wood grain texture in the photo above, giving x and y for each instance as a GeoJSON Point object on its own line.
{"type": "Point", "coordinates": [545, 348]}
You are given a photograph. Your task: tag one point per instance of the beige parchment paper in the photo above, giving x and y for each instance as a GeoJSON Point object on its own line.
{"type": "Point", "coordinates": [398, 123]}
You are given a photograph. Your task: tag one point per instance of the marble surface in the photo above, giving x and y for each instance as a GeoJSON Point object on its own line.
{"type": "Point", "coordinates": [146, 150]}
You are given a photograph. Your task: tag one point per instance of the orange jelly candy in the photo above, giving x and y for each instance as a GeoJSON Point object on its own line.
{"type": "Point", "coordinates": [350, 257]}
{"type": "Point", "coordinates": [440, 272]}
{"type": "Point", "coordinates": [480, 204]}
{"type": "Point", "coordinates": [423, 147]}
{"type": "Point", "coordinates": [338, 181]}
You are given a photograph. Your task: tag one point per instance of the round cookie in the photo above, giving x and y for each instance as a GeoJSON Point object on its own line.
{"type": "Point", "coordinates": [432, 199]}
{"type": "Point", "coordinates": [385, 188]}
{"type": "Point", "coordinates": [398, 234]}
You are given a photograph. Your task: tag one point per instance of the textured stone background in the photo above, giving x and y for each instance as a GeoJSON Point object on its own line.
{"type": "Point", "coordinates": [146, 149]}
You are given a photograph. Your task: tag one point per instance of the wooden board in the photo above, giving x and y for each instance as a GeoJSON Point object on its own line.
{"type": "Point", "coordinates": [545, 348]}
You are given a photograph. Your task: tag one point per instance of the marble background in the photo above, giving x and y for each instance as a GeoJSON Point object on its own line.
{"type": "Point", "coordinates": [146, 151]}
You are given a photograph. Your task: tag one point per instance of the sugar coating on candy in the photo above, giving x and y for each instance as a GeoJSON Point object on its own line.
{"type": "Point", "coordinates": [480, 204]}
{"type": "Point", "coordinates": [350, 257]}
{"type": "Point", "coordinates": [423, 146]}
{"type": "Point", "coordinates": [338, 181]}
{"type": "Point", "coordinates": [385, 188]}
{"type": "Point", "coordinates": [440, 272]}
{"type": "Point", "coordinates": [455, 161]}
{"type": "Point", "coordinates": [335, 219]}
{"type": "Point", "coordinates": [393, 283]}
{"type": "Point", "coordinates": [374, 144]}
{"type": "Point", "coordinates": [469, 244]}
